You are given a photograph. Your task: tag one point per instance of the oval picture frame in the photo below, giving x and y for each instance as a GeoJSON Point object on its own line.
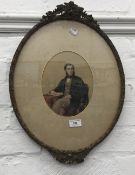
{"type": "Point", "coordinates": [79, 132]}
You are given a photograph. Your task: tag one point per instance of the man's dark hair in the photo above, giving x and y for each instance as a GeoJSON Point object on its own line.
{"type": "Point", "coordinates": [69, 64]}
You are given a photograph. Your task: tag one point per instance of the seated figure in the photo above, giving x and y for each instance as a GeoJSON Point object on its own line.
{"type": "Point", "coordinates": [71, 94]}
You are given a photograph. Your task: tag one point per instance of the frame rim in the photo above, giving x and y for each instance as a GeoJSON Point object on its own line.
{"type": "Point", "coordinates": [72, 12]}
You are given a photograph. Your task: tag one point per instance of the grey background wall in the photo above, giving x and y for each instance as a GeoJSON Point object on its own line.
{"type": "Point", "coordinates": [18, 153]}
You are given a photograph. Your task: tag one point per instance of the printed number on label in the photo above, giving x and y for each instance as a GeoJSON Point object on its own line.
{"type": "Point", "coordinates": [75, 123]}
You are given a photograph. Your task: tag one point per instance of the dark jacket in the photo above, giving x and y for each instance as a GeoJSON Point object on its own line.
{"type": "Point", "coordinates": [78, 91]}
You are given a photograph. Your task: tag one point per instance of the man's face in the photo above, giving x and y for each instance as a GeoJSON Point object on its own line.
{"type": "Point", "coordinates": [70, 70]}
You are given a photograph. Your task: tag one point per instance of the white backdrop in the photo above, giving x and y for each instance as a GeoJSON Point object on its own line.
{"type": "Point", "coordinates": [18, 153]}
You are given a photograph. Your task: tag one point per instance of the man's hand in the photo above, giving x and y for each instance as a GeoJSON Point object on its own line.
{"type": "Point", "coordinates": [57, 94]}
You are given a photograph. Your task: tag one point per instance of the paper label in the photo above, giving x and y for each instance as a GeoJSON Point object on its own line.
{"type": "Point", "coordinates": [75, 123]}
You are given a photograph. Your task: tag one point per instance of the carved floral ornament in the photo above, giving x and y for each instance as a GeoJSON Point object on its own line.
{"type": "Point", "coordinates": [60, 81]}
{"type": "Point", "coordinates": [71, 11]}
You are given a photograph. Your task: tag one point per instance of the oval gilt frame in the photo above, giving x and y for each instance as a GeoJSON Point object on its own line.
{"type": "Point", "coordinates": [67, 11]}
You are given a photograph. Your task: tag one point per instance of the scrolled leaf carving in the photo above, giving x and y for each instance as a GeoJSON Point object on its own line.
{"type": "Point", "coordinates": [69, 11]}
